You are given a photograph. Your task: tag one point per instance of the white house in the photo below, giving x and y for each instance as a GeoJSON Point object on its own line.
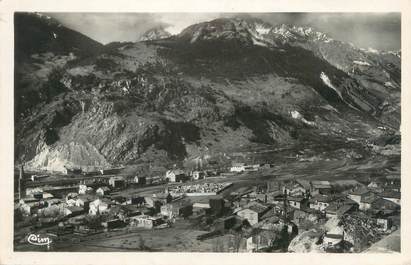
{"type": "Point", "coordinates": [196, 175]}
{"type": "Point", "coordinates": [176, 175]}
{"type": "Point", "coordinates": [83, 189]}
{"type": "Point", "coordinates": [103, 191]}
{"type": "Point", "coordinates": [238, 167]}
{"type": "Point", "coordinates": [320, 202]}
{"type": "Point", "coordinates": [99, 206]}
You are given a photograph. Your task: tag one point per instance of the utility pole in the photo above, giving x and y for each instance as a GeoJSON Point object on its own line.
{"type": "Point", "coordinates": [21, 173]}
{"type": "Point", "coordinates": [285, 207]}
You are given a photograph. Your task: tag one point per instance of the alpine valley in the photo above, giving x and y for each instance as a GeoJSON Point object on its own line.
{"type": "Point", "coordinates": [218, 90]}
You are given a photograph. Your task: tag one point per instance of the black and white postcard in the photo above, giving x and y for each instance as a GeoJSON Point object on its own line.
{"type": "Point", "coordinates": [245, 132]}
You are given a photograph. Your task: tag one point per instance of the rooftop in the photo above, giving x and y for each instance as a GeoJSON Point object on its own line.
{"type": "Point", "coordinates": [322, 198]}
{"type": "Point", "coordinates": [338, 209]}
{"type": "Point", "coordinates": [304, 183]}
{"type": "Point", "coordinates": [369, 199]}
{"type": "Point", "coordinates": [320, 184]}
{"type": "Point", "coordinates": [86, 197]}
{"type": "Point", "coordinates": [359, 191]}
{"type": "Point", "coordinates": [75, 208]}
{"type": "Point", "coordinates": [296, 198]}
{"type": "Point", "coordinates": [256, 207]}
{"type": "Point", "coordinates": [391, 194]}
{"type": "Point", "coordinates": [381, 204]}
{"type": "Point", "coordinates": [334, 236]}
{"type": "Point", "coordinates": [176, 171]}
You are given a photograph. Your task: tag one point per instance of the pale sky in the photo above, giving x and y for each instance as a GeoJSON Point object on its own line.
{"type": "Point", "coordinates": [376, 30]}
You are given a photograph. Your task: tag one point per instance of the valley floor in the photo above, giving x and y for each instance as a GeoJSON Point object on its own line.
{"type": "Point", "coordinates": [182, 235]}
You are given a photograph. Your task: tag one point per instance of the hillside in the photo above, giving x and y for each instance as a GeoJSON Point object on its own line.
{"type": "Point", "coordinates": [217, 87]}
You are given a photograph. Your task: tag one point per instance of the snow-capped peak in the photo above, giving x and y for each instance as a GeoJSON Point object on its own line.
{"type": "Point", "coordinates": [262, 29]}
{"type": "Point", "coordinates": [372, 50]}
{"type": "Point", "coordinates": [252, 31]}
{"type": "Point", "coordinates": [292, 32]}
{"type": "Point", "coordinates": [155, 34]}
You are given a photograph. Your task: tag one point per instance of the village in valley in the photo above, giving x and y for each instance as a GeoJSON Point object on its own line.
{"type": "Point", "coordinates": [205, 209]}
{"type": "Point", "coordinates": [232, 134]}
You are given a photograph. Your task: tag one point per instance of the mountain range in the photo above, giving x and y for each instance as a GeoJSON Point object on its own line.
{"type": "Point", "coordinates": [216, 88]}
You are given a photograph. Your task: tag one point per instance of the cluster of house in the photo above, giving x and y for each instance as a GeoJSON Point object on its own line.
{"type": "Point", "coordinates": [179, 175]}
{"type": "Point", "coordinates": [203, 189]}
{"type": "Point", "coordinates": [272, 210]}
{"type": "Point", "coordinates": [300, 201]}
{"type": "Point", "coordinates": [100, 200]}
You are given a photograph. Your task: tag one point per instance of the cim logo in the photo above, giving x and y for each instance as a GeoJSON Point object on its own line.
{"type": "Point", "coordinates": [39, 240]}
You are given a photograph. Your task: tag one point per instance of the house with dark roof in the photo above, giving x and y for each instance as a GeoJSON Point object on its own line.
{"type": "Point", "coordinates": [117, 182]}
{"type": "Point", "coordinates": [384, 211]}
{"type": "Point", "coordinates": [320, 202]}
{"type": "Point", "coordinates": [338, 209]}
{"type": "Point", "coordinates": [308, 214]}
{"type": "Point", "coordinates": [136, 200]}
{"type": "Point", "coordinates": [357, 194]}
{"type": "Point", "coordinates": [382, 205]}
{"type": "Point", "coordinates": [176, 175]}
{"type": "Point", "coordinates": [366, 200]}
{"type": "Point", "coordinates": [275, 196]}
{"type": "Point", "coordinates": [73, 211]}
{"type": "Point", "coordinates": [320, 187]}
{"type": "Point", "coordinates": [253, 212]}
{"type": "Point", "coordinates": [297, 188]}
{"type": "Point", "coordinates": [84, 200]}
{"type": "Point", "coordinates": [298, 202]}
{"type": "Point", "coordinates": [391, 195]}
{"type": "Point", "coordinates": [113, 223]}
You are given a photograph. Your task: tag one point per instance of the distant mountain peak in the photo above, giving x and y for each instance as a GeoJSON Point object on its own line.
{"type": "Point", "coordinates": [293, 32]}
{"type": "Point", "coordinates": [251, 30]}
{"type": "Point", "coordinates": [155, 33]}
{"type": "Point", "coordinates": [246, 30]}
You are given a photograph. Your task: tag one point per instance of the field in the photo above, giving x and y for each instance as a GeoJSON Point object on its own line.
{"type": "Point", "coordinates": [179, 238]}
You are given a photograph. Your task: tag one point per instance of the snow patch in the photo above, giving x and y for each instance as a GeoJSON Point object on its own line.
{"type": "Point", "coordinates": [329, 107]}
{"type": "Point", "coordinates": [43, 16]}
{"type": "Point", "coordinates": [389, 84]}
{"type": "Point", "coordinates": [396, 53]}
{"type": "Point", "coordinates": [372, 50]}
{"type": "Point", "coordinates": [261, 29]}
{"type": "Point", "coordinates": [55, 35]}
{"type": "Point", "coordinates": [258, 43]}
{"type": "Point", "coordinates": [296, 115]}
{"type": "Point", "coordinates": [361, 63]}
{"type": "Point", "coordinates": [327, 82]}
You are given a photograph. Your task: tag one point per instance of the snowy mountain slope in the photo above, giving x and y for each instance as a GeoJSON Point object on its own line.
{"type": "Point", "coordinates": [219, 86]}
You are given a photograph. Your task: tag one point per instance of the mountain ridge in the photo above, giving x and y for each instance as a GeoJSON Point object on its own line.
{"type": "Point", "coordinates": [166, 100]}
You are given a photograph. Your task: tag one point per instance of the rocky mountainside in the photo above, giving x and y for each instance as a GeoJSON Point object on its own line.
{"type": "Point", "coordinates": [215, 88]}
{"type": "Point", "coordinates": [156, 33]}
